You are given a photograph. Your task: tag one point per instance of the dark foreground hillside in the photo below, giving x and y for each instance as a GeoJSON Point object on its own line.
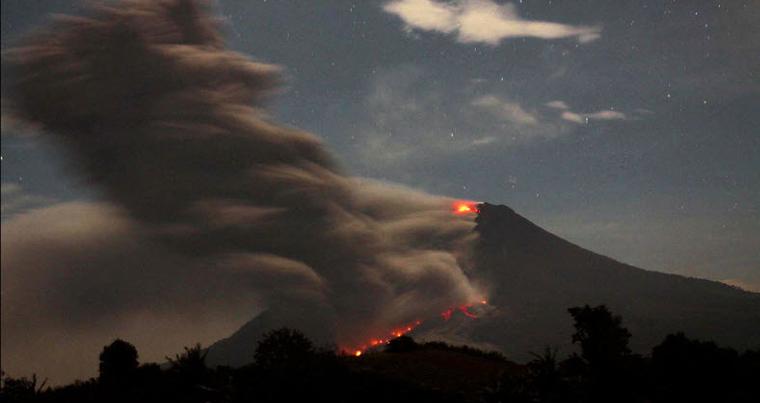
{"type": "Point", "coordinates": [287, 367]}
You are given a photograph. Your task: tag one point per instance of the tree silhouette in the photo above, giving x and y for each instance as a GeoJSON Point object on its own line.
{"type": "Point", "coordinates": [283, 349]}
{"type": "Point", "coordinates": [547, 383]}
{"type": "Point", "coordinates": [118, 362]}
{"type": "Point", "coordinates": [190, 377]}
{"type": "Point", "coordinates": [20, 389]}
{"type": "Point", "coordinates": [602, 337]}
{"type": "Point", "coordinates": [607, 371]}
{"type": "Point", "coordinates": [190, 366]}
{"type": "Point", "coordinates": [401, 344]}
{"type": "Point", "coordinates": [288, 368]}
{"type": "Point", "coordinates": [693, 370]}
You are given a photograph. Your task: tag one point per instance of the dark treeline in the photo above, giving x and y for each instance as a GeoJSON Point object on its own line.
{"type": "Point", "coordinates": [287, 366]}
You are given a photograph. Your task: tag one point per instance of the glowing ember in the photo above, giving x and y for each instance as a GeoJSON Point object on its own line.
{"type": "Point", "coordinates": [465, 310]}
{"type": "Point", "coordinates": [465, 207]}
{"type": "Point", "coordinates": [359, 350]}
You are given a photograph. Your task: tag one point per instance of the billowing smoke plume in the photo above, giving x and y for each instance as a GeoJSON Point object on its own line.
{"type": "Point", "coordinates": [216, 202]}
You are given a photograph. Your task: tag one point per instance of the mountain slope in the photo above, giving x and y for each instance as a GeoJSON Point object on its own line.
{"type": "Point", "coordinates": [533, 276]}
{"type": "Point", "coordinates": [238, 349]}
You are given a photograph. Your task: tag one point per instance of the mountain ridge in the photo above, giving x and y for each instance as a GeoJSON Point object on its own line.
{"type": "Point", "coordinates": [534, 276]}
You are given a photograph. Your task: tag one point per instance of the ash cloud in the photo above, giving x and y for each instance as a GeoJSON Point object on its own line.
{"type": "Point", "coordinates": [212, 208]}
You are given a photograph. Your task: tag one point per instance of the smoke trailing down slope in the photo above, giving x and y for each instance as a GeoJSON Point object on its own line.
{"type": "Point", "coordinates": [154, 111]}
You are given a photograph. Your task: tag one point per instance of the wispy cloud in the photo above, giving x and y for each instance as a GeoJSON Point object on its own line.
{"type": "Point", "coordinates": [414, 121]}
{"type": "Point", "coordinates": [599, 115]}
{"type": "Point", "coordinates": [580, 118]}
{"type": "Point", "coordinates": [16, 200]}
{"type": "Point", "coordinates": [482, 21]}
{"type": "Point", "coordinates": [557, 105]}
{"type": "Point", "coordinates": [12, 125]}
{"type": "Point", "coordinates": [483, 141]}
{"type": "Point", "coordinates": [510, 111]}
{"type": "Point", "coordinates": [414, 124]}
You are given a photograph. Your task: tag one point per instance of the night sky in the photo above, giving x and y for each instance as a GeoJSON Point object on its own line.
{"type": "Point", "coordinates": [629, 128]}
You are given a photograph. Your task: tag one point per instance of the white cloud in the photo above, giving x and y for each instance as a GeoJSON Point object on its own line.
{"type": "Point", "coordinates": [599, 115]}
{"type": "Point", "coordinates": [15, 200]}
{"type": "Point", "coordinates": [557, 105]}
{"type": "Point", "coordinates": [572, 117]}
{"type": "Point", "coordinates": [509, 111]}
{"type": "Point", "coordinates": [413, 123]}
{"type": "Point", "coordinates": [580, 118]}
{"type": "Point", "coordinates": [427, 15]}
{"type": "Point", "coordinates": [483, 141]}
{"type": "Point", "coordinates": [416, 122]}
{"type": "Point", "coordinates": [482, 21]}
{"type": "Point", "coordinates": [607, 115]}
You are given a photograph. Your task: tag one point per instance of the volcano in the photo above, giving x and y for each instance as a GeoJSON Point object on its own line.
{"type": "Point", "coordinates": [533, 277]}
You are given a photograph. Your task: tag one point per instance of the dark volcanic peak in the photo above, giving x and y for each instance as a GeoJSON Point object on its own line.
{"type": "Point", "coordinates": [238, 349]}
{"type": "Point", "coordinates": [492, 217]}
{"type": "Point", "coordinates": [499, 224]}
{"type": "Point", "coordinates": [533, 277]}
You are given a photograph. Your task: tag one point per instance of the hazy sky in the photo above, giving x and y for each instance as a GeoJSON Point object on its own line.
{"type": "Point", "coordinates": [630, 128]}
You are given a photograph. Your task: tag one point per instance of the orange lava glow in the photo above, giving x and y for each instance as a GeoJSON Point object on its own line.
{"type": "Point", "coordinates": [398, 332]}
{"type": "Point", "coordinates": [464, 309]}
{"type": "Point", "coordinates": [402, 330]}
{"type": "Point", "coordinates": [465, 207]}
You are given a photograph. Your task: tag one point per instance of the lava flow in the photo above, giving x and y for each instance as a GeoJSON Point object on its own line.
{"type": "Point", "coordinates": [398, 332]}
{"type": "Point", "coordinates": [465, 309]}
{"type": "Point", "coordinates": [459, 207]}
{"type": "Point", "coordinates": [358, 351]}
{"type": "Point", "coordinates": [465, 207]}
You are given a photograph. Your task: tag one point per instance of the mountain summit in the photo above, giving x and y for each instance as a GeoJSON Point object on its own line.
{"type": "Point", "coordinates": [533, 276]}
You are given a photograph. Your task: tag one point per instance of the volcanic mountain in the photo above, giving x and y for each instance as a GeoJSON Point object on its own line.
{"type": "Point", "coordinates": [533, 277]}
